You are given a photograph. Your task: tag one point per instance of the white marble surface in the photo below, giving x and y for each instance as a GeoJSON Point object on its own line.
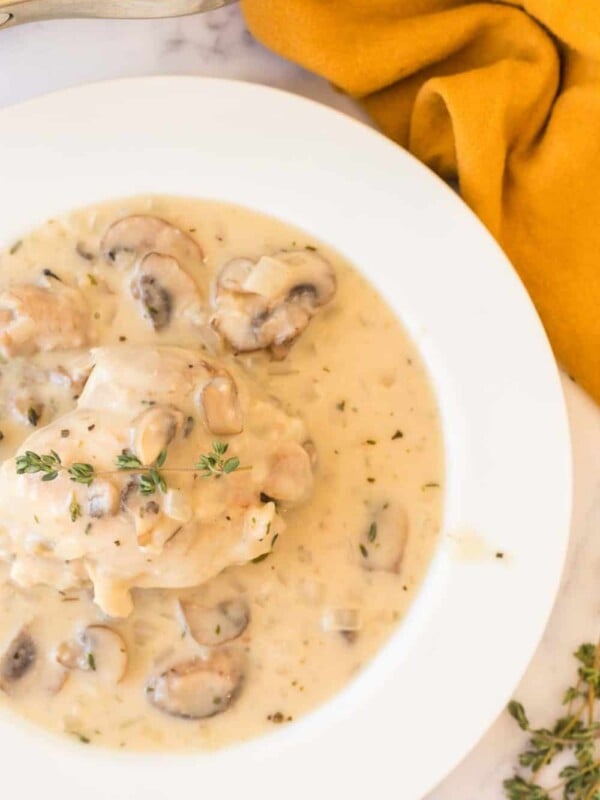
{"type": "Point", "coordinates": [41, 57]}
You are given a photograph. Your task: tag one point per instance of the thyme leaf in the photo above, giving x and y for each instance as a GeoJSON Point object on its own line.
{"type": "Point", "coordinates": [214, 464]}
{"type": "Point", "coordinates": [574, 734]}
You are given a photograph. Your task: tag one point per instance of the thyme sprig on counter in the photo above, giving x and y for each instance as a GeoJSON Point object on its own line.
{"type": "Point", "coordinates": [151, 478]}
{"type": "Point", "coordinates": [576, 733]}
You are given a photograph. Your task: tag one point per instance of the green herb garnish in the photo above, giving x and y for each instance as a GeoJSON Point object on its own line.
{"type": "Point", "coordinates": [576, 734]}
{"type": "Point", "coordinates": [151, 478]}
{"type": "Point", "coordinates": [74, 510]}
{"type": "Point", "coordinates": [214, 464]}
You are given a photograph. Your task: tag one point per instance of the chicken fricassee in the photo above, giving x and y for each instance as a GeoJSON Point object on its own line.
{"type": "Point", "coordinates": [221, 477]}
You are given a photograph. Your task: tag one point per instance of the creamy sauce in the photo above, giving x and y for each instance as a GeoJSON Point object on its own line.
{"type": "Point", "coordinates": [320, 580]}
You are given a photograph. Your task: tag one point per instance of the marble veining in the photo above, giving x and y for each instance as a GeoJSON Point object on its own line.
{"type": "Point", "coordinates": [45, 56]}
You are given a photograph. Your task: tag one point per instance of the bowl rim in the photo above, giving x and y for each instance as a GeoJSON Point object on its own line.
{"type": "Point", "coordinates": [497, 385]}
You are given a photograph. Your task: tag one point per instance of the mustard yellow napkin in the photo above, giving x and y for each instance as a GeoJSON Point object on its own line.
{"type": "Point", "coordinates": [503, 97]}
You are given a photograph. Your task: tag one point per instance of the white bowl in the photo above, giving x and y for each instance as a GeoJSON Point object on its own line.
{"type": "Point", "coordinates": [425, 700]}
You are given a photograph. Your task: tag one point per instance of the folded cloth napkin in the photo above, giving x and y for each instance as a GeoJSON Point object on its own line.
{"type": "Point", "coordinates": [504, 98]}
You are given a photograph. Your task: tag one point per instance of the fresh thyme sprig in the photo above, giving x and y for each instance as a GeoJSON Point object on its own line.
{"type": "Point", "coordinates": [577, 733]}
{"type": "Point", "coordinates": [151, 478]}
{"type": "Point", "coordinates": [214, 464]}
{"type": "Point", "coordinates": [50, 464]}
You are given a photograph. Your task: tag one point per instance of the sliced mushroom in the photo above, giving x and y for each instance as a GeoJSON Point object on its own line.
{"type": "Point", "coordinates": [155, 300]}
{"type": "Point", "coordinates": [382, 543]}
{"type": "Point", "coordinates": [268, 303]}
{"type": "Point", "coordinates": [198, 688]}
{"type": "Point", "coordinates": [133, 237]}
{"type": "Point", "coordinates": [153, 430]}
{"type": "Point", "coordinates": [217, 625]}
{"type": "Point", "coordinates": [98, 649]}
{"type": "Point", "coordinates": [346, 622]}
{"type": "Point", "coordinates": [290, 476]}
{"type": "Point", "coordinates": [103, 499]}
{"type": "Point", "coordinates": [220, 403]}
{"type": "Point", "coordinates": [18, 658]}
{"type": "Point", "coordinates": [164, 291]}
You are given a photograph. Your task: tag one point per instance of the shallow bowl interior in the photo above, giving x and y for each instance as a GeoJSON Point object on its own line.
{"type": "Point", "coordinates": [420, 705]}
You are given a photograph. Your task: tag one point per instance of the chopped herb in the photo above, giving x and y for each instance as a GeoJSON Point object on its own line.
{"type": "Point", "coordinates": [33, 416]}
{"type": "Point", "coordinates": [122, 338]}
{"type": "Point", "coordinates": [430, 486]}
{"type": "Point", "coordinates": [91, 427]}
{"type": "Point", "coordinates": [91, 661]}
{"type": "Point", "coordinates": [117, 543]}
{"type": "Point", "coordinates": [277, 717]}
{"type": "Point", "coordinates": [188, 427]}
{"type": "Point", "coordinates": [499, 554]}
{"type": "Point", "coordinates": [326, 369]}
{"type": "Point", "coordinates": [92, 279]}
{"type": "Point", "coordinates": [49, 274]}
{"type": "Point", "coordinates": [65, 433]}
{"type": "Point", "coordinates": [371, 441]}
{"type": "Point", "coordinates": [363, 551]}
{"type": "Point", "coordinates": [16, 246]}
{"type": "Point", "coordinates": [83, 739]}
{"type": "Point", "coordinates": [372, 534]}
{"type": "Point", "coordinates": [218, 630]}
{"type": "Point", "coordinates": [74, 510]}
{"type": "Point", "coordinates": [217, 701]}
{"type": "Point", "coordinates": [266, 498]}
{"type": "Point", "coordinates": [341, 405]}
{"type": "Point", "coordinates": [371, 480]}
{"type": "Point", "coordinates": [397, 435]}
{"type": "Point", "coordinates": [310, 247]}
{"type": "Point", "coordinates": [274, 540]}
{"type": "Point", "coordinates": [96, 315]}
{"type": "Point", "coordinates": [36, 518]}
{"type": "Point", "coordinates": [88, 528]}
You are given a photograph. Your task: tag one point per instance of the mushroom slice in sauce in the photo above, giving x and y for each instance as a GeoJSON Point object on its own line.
{"type": "Point", "coordinates": [103, 499]}
{"type": "Point", "coordinates": [268, 303]}
{"type": "Point", "coordinates": [153, 430]}
{"type": "Point", "coordinates": [222, 412]}
{"type": "Point", "coordinates": [18, 658]}
{"type": "Point", "coordinates": [217, 625]}
{"type": "Point", "coordinates": [164, 290]}
{"type": "Point", "coordinates": [132, 237]}
{"type": "Point", "coordinates": [99, 649]}
{"type": "Point", "coordinates": [197, 688]}
{"type": "Point", "coordinates": [382, 544]}
{"type": "Point", "coordinates": [290, 477]}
